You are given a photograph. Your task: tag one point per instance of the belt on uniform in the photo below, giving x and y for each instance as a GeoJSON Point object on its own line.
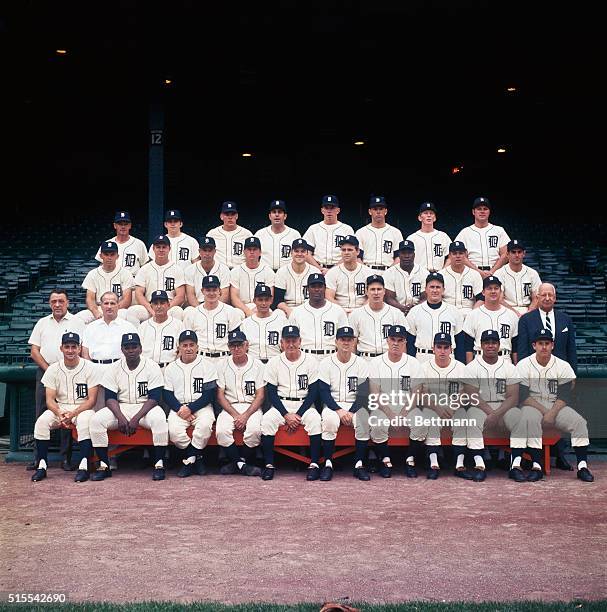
{"type": "Point", "coordinates": [218, 354]}
{"type": "Point", "coordinates": [315, 352]}
{"type": "Point", "coordinates": [502, 352]}
{"type": "Point", "coordinates": [484, 268]}
{"type": "Point", "coordinates": [327, 265]}
{"type": "Point", "coordinates": [378, 267]}
{"type": "Point", "coordinates": [104, 360]}
{"type": "Point", "coordinates": [429, 351]}
{"type": "Point", "coordinates": [292, 399]}
{"type": "Point", "coordinates": [368, 354]}
{"type": "Point", "coordinates": [264, 360]}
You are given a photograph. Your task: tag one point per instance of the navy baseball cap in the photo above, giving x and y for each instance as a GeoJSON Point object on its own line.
{"type": "Point", "coordinates": [427, 206]}
{"type": "Point", "coordinates": [162, 239]}
{"type": "Point", "coordinates": [70, 338]}
{"type": "Point", "coordinates": [491, 280]}
{"type": "Point", "coordinates": [377, 202]}
{"type": "Point", "coordinates": [290, 331]}
{"type": "Point", "coordinates": [252, 242]}
{"type": "Point", "coordinates": [262, 291]}
{"type": "Point", "coordinates": [330, 200]}
{"type": "Point", "coordinates": [300, 243]}
{"type": "Point", "coordinates": [442, 339]}
{"type": "Point", "coordinates": [229, 207]}
{"type": "Point", "coordinates": [406, 245]}
{"type": "Point", "coordinates": [397, 331]}
{"type": "Point", "coordinates": [122, 215]}
{"type": "Point", "coordinates": [344, 332]}
{"type": "Point", "coordinates": [130, 339]}
{"type": "Point", "coordinates": [436, 276]}
{"type": "Point", "coordinates": [316, 279]}
{"type": "Point", "coordinates": [158, 295]}
{"type": "Point", "coordinates": [236, 337]}
{"type": "Point", "coordinates": [274, 204]}
{"type": "Point", "coordinates": [515, 244]}
{"type": "Point", "coordinates": [349, 239]}
{"type": "Point", "coordinates": [207, 242]}
{"type": "Point", "coordinates": [457, 247]}
{"type": "Point", "coordinates": [543, 334]}
{"type": "Point", "coordinates": [375, 278]}
{"type": "Point", "coordinates": [109, 247]}
{"type": "Point", "coordinates": [172, 214]}
{"type": "Point", "coordinates": [188, 334]}
{"type": "Point", "coordinates": [210, 281]}
{"type": "Point", "coordinates": [482, 201]}
{"type": "Point", "coordinates": [490, 334]}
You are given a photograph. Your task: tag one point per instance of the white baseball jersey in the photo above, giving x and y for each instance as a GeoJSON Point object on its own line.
{"type": "Point", "coordinates": [371, 327]}
{"type": "Point", "coordinates": [132, 254]}
{"type": "Point", "coordinates": [246, 279]}
{"type": "Point", "coordinates": [48, 331]}
{"type": "Point", "coordinates": [276, 248]}
{"type": "Point", "coordinates": [212, 326]}
{"type": "Point", "coordinates": [187, 380]}
{"type": "Point", "coordinates": [240, 383]}
{"type": "Point", "coordinates": [491, 379]}
{"type": "Point", "coordinates": [483, 243]}
{"type": "Point", "coordinates": [350, 286]}
{"type": "Point", "coordinates": [72, 384]}
{"type": "Point", "coordinates": [462, 287]}
{"type": "Point", "coordinates": [263, 334]}
{"type": "Point", "coordinates": [292, 378]}
{"type": "Point", "coordinates": [230, 245]}
{"type": "Point", "coordinates": [294, 284]}
{"type": "Point", "coordinates": [379, 244]}
{"type": "Point", "coordinates": [318, 326]}
{"type": "Point", "coordinates": [403, 375]}
{"type": "Point", "coordinates": [503, 321]}
{"type": "Point", "coordinates": [184, 250]}
{"type": "Point", "coordinates": [407, 286]}
{"type": "Point", "coordinates": [194, 274]}
{"type": "Point", "coordinates": [326, 240]}
{"type": "Point", "coordinates": [98, 281]}
{"type": "Point", "coordinates": [153, 277]}
{"type": "Point", "coordinates": [133, 386]}
{"type": "Point", "coordinates": [544, 381]}
{"type": "Point", "coordinates": [425, 323]}
{"type": "Point", "coordinates": [431, 248]}
{"type": "Point", "coordinates": [518, 286]}
{"type": "Point", "coordinates": [160, 340]}
{"type": "Point", "coordinates": [343, 378]}
{"type": "Point", "coordinates": [448, 380]}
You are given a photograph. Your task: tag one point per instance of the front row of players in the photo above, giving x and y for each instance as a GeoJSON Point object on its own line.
{"type": "Point", "coordinates": [342, 389]}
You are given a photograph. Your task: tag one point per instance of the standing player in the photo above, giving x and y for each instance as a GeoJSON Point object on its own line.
{"type": "Point", "coordinates": [492, 315]}
{"type": "Point", "coordinates": [184, 248]}
{"type": "Point", "coordinates": [486, 242]}
{"type": "Point", "coordinates": [318, 319]}
{"type": "Point", "coordinates": [190, 383]}
{"type": "Point", "coordinates": [240, 393]}
{"type": "Point", "coordinates": [463, 285]}
{"type": "Point", "coordinates": [206, 266]}
{"type": "Point", "coordinates": [263, 327]}
{"type": "Point", "coordinates": [325, 237]}
{"type": "Point", "coordinates": [343, 386]}
{"type": "Point", "coordinates": [405, 282]}
{"type": "Point", "coordinates": [133, 388]}
{"type": "Point", "coordinates": [430, 244]}
{"type": "Point", "coordinates": [71, 392]}
{"type": "Point", "coordinates": [520, 282]}
{"type": "Point", "coordinates": [292, 388]}
{"type": "Point", "coordinates": [277, 238]}
{"type": "Point", "coordinates": [346, 282]}
{"type": "Point", "coordinates": [229, 237]}
{"type": "Point", "coordinates": [432, 317]}
{"type": "Point", "coordinates": [378, 240]}
{"type": "Point", "coordinates": [248, 275]}
{"type": "Point", "coordinates": [372, 321]}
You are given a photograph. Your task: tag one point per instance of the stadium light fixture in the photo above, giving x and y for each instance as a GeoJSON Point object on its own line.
{"type": "Point", "coordinates": [511, 89]}
{"type": "Point", "coordinates": [359, 143]}
{"type": "Point", "coordinates": [167, 81]}
{"type": "Point", "coordinates": [61, 51]}
{"type": "Point", "coordinates": [501, 150]}
{"type": "Point", "coordinates": [247, 154]}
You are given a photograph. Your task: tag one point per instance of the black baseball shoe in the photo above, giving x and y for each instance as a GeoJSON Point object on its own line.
{"type": "Point", "coordinates": [326, 473]}
{"type": "Point", "coordinates": [101, 474]}
{"type": "Point", "coordinates": [186, 470]}
{"type": "Point", "coordinates": [38, 475]}
{"type": "Point", "coordinates": [479, 475]}
{"type": "Point", "coordinates": [410, 471]}
{"type": "Point", "coordinates": [585, 475]}
{"type": "Point", "coordinates": [267, 473]}
{"type": "Point", "coordinates": [534, 475]}
{"type": "Point", "coordinates": [433, 474]}
{"type": "Point", "coordinates": [463, 473]}
{"type": "Point", "coordinates": [81, 476]}
{"type": "Point", "coordinates": [159, 474]}
{"type": "Point", "coordinates": [385, 471]}
{"type": "Point", "coordinates": [228, 468]}
{"type": "Point", "coordinates": [200, 468]}
{"type": "Point", "coordinates": [361, 473]}
{"type": "Point", "coordinates": [250, 470]}
{"type": "Point", "coordinates": [517, 475]}
{"type": "Point", "coordinates": [313, 473]}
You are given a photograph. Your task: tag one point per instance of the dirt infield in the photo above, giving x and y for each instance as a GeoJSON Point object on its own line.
{"type": "Point", "coordinates": [236, 539]}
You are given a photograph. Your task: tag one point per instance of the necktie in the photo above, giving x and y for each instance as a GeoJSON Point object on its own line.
{"type": "Point", "coordinates": [548, 324]}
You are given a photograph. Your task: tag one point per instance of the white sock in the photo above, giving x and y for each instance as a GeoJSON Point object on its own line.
{"type": "Point", "coordinates": [103, 466]}
{"type": "Point", "coordinates": [313, 465]}
{"type": "Point", "coordinates": [359, 464]}
{"type": "Point", "coordinates": [478, 461]}
{"type": "Point", "coordinates": [83, 464]}
{"type": "Point", "coordinates": [159, 464]}
{"type": "Point", "coordinates": [516, 463]}
{"type": "Point", "coordinates": [42, 464]}
{"type": "Point", "coordinates": [433, 460]}
{"type": "Point", "coordinates": [536, 466]}
{"type": "Point", "coordinates": [410, 460]}
{"type": "Point", "coordinates": [582, 464]}
{"type": "Point", "coordinates": [328, 463]}
{"type": "Point", "coordinates": [460, 462]}
{"type": "Point", "coordinates": [189, 460]}
{"type": "Point", "coordinates": [269, 465]}
{"type": "Point", "coordinates": [239, 464]}
{"type": "Point", "coordinates": [387, 461]}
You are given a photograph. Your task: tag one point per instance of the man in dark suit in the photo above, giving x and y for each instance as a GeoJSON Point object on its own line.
{"type": "Point", "coordinates": [563, 329]}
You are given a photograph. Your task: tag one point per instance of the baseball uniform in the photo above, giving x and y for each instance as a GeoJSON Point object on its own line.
{"type": "Point", "coordinates": [195, 273]}
{"type": "Point", "coordinates": [518, 286]}
{"type": "Point", "coordinates": [276, 248]}
{"type": "Point", "coordinates": [245, 279]}
{"type": "Point", "coordinates": [184, 250]}
{"type": "Point", "coordinates": [461, 288]}
{"type": "Point", "coordinates": [160, 341]}
{"type": "Point", "coordinates": [425, 322]}
{"type": "Point", "coordinates": [431, 248]}
{"type": "Point", "coordinates": [99, 282]}
{"type": "Point", "coordinates": [378, 245]}
{"type": "Point", "coordinates": [263, 334]}
{"type": "Point", "coordinates": [503, 321]}
{"type": "Point", "coordinates": [408, 286]}
{"type": "Point", "coordinates": [132, 254]}
{"type": "Point", "coordinates": [294, 284]}
{"type": "Point", "coordinates": [230, 245]}
{"type": "Point", "coordinates": [349, 285]}
{"type": "Point", "coordinates": [483, 244]}
{"type": "Point", "coordinates": [326, 241]}
{"type": "Point", "coordinates": [371, 328]}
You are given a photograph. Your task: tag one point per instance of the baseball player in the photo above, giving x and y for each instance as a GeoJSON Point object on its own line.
{"type": "Point", "coordinates": [277, 238]}
{"type": "Point", "coordinates": [263, 328]}
{"type": "Point", "coordinates": [132, 252]}
{"type": "Point", "coordinates": [372, 321]}
{"type": "Point", "coordinates": [318, 319]}
{"type": "Point", "coordinates": [494, 384]}
{"type": "Point", "coordinates": [71, 392]}
{"type": "Point", "coordinates": [325, 237]}
{"type": "Point", "coordinates": [395, 371]}
{"type": "Point", "coordinates": [346, 282]}
{"type": "Point", "coordinates": [212, 321]}
{"type": "Point", "coordinates": [486, 243]}
{"type": "Point", "coordinates": [133, 388]}
{"type": "Point", "coordinates": [184, 248]}
{"type": "Point", "coordinates": [519, 282]}
{"type": "Point", "coordinates": [190, 384]}
{"type": "Point", "coordinates": [160, 334]}
{"type": "Point", "coordinates": [292, 387]}
{"type": "Point", "coordinates": [491, 315]}
{"type": "Point", "coordinates": [246, 276]}
{"type": "Point", "coordinates": [430, 244]}
{"type": "Point", "coordinates": [405, 282]}
{"type": "Point", "coordinates": [240, 393]}
{"type": "Point", "coordinates": [343, 386]}
{"type": "Point", "coordinates": [207, 266]}
{"type": "Point", "coordinates": [545, 394]}
{"type": "Point", "coordinates": [107, 277]}
{"type": "Point", "coordinates": [229, 237]}
{"type": "Point", "coordinates": [444, 379]}
{"type": "Point", "coordinates": [463, 285]}
{"type": "Point", "coordinates": [161, 274]}
{"type": "Point", "coordinates": [431, 317]}
{"type": "Point", "coordinates": [290, 287]}
{"type": "Point", "coordinates": [378, 239]}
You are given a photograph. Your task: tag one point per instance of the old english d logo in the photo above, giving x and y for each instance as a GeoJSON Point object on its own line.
{"type": "Point", "coordinates": [129, 260]}
{"type": "Point", "coordinates": [142, 388]}
{"type": "Point", "coordinates": [198, 385]}
{"type": "Point", "coordinates": [82, 390]}
{"type": "Point", "coordinates": [302, 382]}
{"type": "Point", "coordinates": [329, 328]}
